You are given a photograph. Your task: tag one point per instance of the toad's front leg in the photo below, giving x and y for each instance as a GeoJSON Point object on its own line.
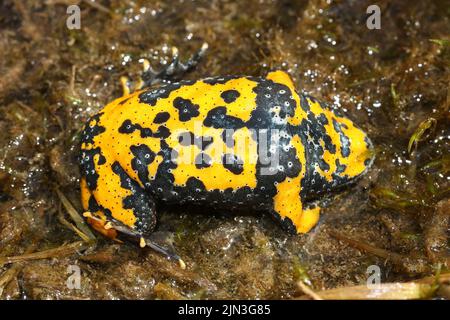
{"type": "Point", "coordinates": [289, 210]}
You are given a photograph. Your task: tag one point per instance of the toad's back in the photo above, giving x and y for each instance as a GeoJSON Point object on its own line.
{"type": "Point", "coordinates": [234, 141]}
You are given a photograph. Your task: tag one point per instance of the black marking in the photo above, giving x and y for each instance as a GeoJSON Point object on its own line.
{"type": "Point", "coordinates": [218, 119]}
{"type": "Point", "coordinates": [128, 127]}
{"type": "Point", "coordinates": [187, 139]}
{"type": "Point", "coordinates": [269, 97]}
{"type": "Point", "coordinates": [329, 144]}
{"type": "Point", "coordinates": [163, 132]}
{"type": "Point", "coordinates": [233, 163]}
{"type": "Point", "coordinates": [186, 109]}
{"type": "Point", "coordinates": [88, 134]}
{"type": "Point", "coordinates": [304, 103]}
{"type": "Point", "coordinates": [322, 119]}
{"type": "Point", "coordinates": [323, 165]}
{"type": "Point", "coordinates": [340, 168]}
{"type": "Point", "coordinates": [345, 141]}
{"type": "Point", "coordinates": [161, 117]}
{"type": "Point", "coordinates": [202, 160]}
{"type": "Point", "coordinates": [285, 223]}
{"type": "Point", "coordinates": [152, 96]}
{"type": "Point", "coordinates": [193, 183]}
{"type": "Point", "coordinates": [203, 142]}
{"type": "Point", "coordinates": [227, 137]}
{"type": "Point", "coordinates": [143, 156]}
{"type": "Point", "coordinates": [162, 185]}
{"type": "Point", "coordinates": [93, 207]}
{"type": "Point", "coordinates": [230, 96]}
{"type": "Point", "coordinates": [87, 165]}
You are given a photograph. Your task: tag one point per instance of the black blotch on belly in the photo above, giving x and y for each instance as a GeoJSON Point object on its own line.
{"type": "Point", "coordinates": [232, 163]}
{"type": "Point", "coordinates": [163, 132]}
{"type": "Point", "coordinates": [270, 96]}
{"type": "Point", "coordinates": [230, 96]}
{"type": "Point", "coordinates": [161, 117]}
{"type": "Point", "coordinates": [227, 137]}
{"type": "Point", "coordinates": [88, 134]}
{"type": "Point", "coordinates": [163, 182]}
{"type": "Point", "coordinates": [203, 142]}
{"type": "Point", "coordinates": [186, 109]}
{"type": "Point", "coordinates": [285, 222]}
{"type": "Point", "coordinates": [143, 156]}
{"type": "Point", "coordinates": [93, 206]}
{"type": "Point", "coordinates": [304, 103]}
{"type": "Point", "coordinates": [187, 139]}
{"type": "Point", "coordinates": [340, 167]}
{"type": "Point", "coordinates": [323, 165]}
{"type": "Point", "coordinates": [194, 184]}
{"type": "Point", "coordinates": [322, 121]}
{"type": "Point", "coordinates": [202, 160]}
{"type": "Point", "coordinates": [87, 164]}
{"type": "Point", "coordinates": [218, 119]}
{"type": "Point", "coordinates": [329, 144]}
{"type": "Point", "coordinates": [345, 141]}
{"type": "Point", "coordinates": [128, 127]}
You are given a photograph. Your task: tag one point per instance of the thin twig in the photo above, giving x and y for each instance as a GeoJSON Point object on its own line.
{"type": "Point", "coordinates": [408, 264]}
{"type": "Point", "coordinates": [79, 221]}
{"type": "Point", "coordinates": [64, 250]}
{"type": "Point", "coordinates": [98, 6]}
{"type": "Point", "coordinates": [308, 291]}
{"type": "Point", "coordinates": [70, 226]}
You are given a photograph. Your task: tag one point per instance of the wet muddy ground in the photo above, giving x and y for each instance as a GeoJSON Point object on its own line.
{"type": "Point", "coordinates": [393, 82]}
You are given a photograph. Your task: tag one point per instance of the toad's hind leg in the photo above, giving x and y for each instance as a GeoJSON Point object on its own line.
{"type": "Point", "coordinates": [116, 205]}
{"type": "Point", "coordinates": [138, 201]}
{"type": "Point", "coordinates": [119, 208]}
